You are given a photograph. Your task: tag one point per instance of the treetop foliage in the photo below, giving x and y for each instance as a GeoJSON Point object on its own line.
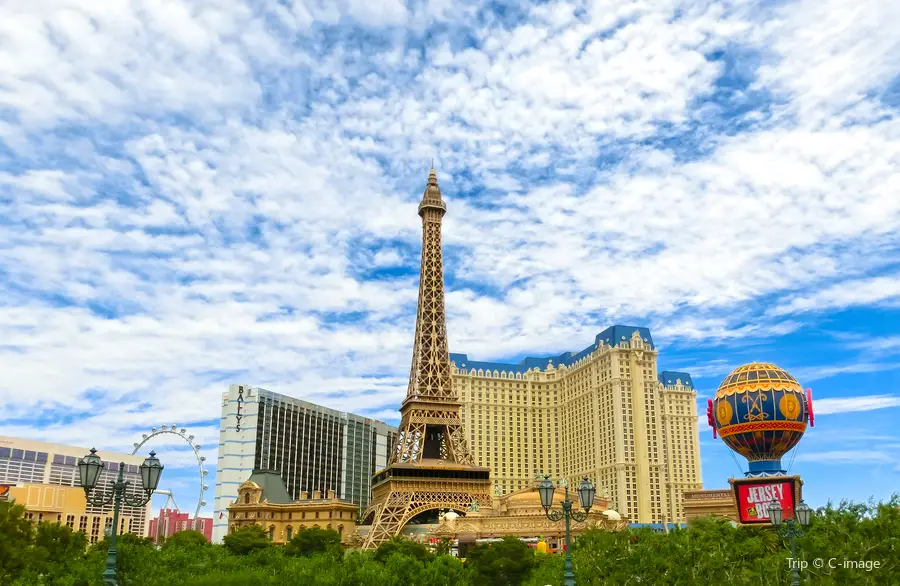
{"type": "Point", "coordinates": [709, 551]}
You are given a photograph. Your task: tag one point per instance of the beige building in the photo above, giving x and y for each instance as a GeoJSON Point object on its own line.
{"type": "Point", "coordinates": [263, 500]}
{"type": "Point", "coordinates": [43, 477]}
{"type": "Point", "coordinates": [603, 412]}
{"type": "Point", "coordinates": [710, 503]}
{"type": "Point", "coordinates": [518, 513]}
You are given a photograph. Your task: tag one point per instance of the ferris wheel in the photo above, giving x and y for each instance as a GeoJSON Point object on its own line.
{"type": "Point", "coordinates": [180, 433]}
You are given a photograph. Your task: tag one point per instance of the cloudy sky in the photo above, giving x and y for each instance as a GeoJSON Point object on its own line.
{"type": "Point", "coordinates": [200, 193]}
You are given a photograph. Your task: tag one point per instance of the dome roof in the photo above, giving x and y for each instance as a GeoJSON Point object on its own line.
{"type": "Point", "coordinates": [532, 496]}
{"type": "Point", "coordinates": [757, 376]}
{"type": "Point", "coordinates": [612, 515]}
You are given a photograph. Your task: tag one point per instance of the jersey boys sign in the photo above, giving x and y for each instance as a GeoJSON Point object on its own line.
{"type": "Point", "coordinates": [755, 497]}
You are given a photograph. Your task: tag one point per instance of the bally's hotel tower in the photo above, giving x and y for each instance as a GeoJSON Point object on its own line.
{"type": "Point", "coordinates": [313, 448]}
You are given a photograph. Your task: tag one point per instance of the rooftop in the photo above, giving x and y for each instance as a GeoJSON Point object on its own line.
{"type": "Point", "coordinates": [610, 336]}
{"type": "Point", "coordinates": [272, 486]}
{"type": "Point", "coordinates": [668, 378]}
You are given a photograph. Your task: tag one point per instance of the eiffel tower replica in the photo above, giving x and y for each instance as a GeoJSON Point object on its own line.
{"type": "Point", "coordinates": [430, 467]}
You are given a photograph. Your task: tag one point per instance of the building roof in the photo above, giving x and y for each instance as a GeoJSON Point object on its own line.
{"type": "Point", "coordinates": [610, 336]}
{"type": "Point", "coordinates": [668, 378]}
{"type": "Point", "coordinates": [33, 450]}
{"type": "Point", "coordinates": [272, 486]}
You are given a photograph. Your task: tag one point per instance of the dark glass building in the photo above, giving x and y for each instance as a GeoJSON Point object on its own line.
{"type": "Point", "coordinates": [313, 448]}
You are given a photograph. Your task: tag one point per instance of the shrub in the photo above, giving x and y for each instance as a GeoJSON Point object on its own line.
{"type": "Point", "coordinates": [314, 540]}
{"type": "Point", "coordinates": [186, 539]}
{"type": "Point", "coordinates": [246, 539]}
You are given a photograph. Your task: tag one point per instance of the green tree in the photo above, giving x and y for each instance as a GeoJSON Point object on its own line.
{"type": "Point", "coordinates": [548, 570]}
{"type": "Point", "coordinates": [16, 536]}
{"type": "Point", "coordinates": [314, 540]}
{"type": "Point", "coordinates": [445, 570]}
{"type": "Point", "coordinates": [246, 539]}
{"type": "Point", "coordinates": [402, 546]}
{"type": "Point", "coordinates": [503, 563]}
{"type": "Point", "coordinates": [56, 549]}
{"type": "Point", "coordinates": [185, 539]}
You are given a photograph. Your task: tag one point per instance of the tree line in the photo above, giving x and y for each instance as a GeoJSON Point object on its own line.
{"type": "Point", "coordinates": [708, 551]}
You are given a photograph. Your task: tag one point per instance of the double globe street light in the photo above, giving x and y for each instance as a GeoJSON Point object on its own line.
{"type": "Point", "coordinates": [89, 468]}
{"type": "Point", "coordinates": [586, 492]}
{"type": "Point", "coordinates": [791, 528]}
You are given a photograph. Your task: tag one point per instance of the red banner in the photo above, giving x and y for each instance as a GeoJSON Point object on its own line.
{"type": "Point", "coordinates": [755, 498]}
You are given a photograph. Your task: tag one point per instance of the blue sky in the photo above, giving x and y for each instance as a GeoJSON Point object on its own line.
{"type": "Point", "coordinates": [193, 194]}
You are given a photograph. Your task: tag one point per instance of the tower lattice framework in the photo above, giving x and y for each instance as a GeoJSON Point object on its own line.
{"type": "Point", "coordinates": [431, 466]}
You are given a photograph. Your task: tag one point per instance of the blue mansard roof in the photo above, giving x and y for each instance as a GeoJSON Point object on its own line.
{"type": "Point", "coordinates": [610, 336]}
{"type": "Point", "coordinates": [668, 378]}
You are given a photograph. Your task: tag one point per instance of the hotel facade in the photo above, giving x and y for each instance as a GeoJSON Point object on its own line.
{"type": "Point", "coordinates": [44, 478]}
{"type": "Point", "coordinates": [603, 412]}
{"type": "Point", "coordinates": [315, 449]}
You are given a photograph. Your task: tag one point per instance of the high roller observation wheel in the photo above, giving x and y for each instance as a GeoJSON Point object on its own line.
{"type": "Point", "coordinates": [179, 433]}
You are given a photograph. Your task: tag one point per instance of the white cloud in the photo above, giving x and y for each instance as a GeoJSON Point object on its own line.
{"type": "Point", "coordinates": [812, 373]}
{"type": "Point", "coordinates": [842, 41]}
{"type": "Point", "coordinates": [219, 176]}
{"type": "Point", "coordinates": [874, 345]}
{"type": "Point", "coordinates": [70, 60]}
{"type": "Point", "coordinates": [841, 405]}
{"type": "Point", "coordinates": [844, 294]}
{"type": "Point", "coordinates": [844, 457]}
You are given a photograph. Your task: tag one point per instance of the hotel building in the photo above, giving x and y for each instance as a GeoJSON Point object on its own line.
{"type": "Point", "coordinates": [603, 412]}
{"type": "Point", "coordinates": [43, 477]}
{"type": "Point", "coordinates": [313, 448]}
{"type": "Point", "coordinates": [171, 521]}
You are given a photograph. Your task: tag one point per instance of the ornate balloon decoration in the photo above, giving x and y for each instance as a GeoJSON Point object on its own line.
{"type": "Point", "coordinates": [761, 412]}
{"type": "Point", "coordinates": [809, 405]}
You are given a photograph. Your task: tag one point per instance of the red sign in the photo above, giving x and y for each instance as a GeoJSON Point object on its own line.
{"type": "Point", "coordinates": [4, 492]}
{"type": "Point", "coordinates": [755, 498]}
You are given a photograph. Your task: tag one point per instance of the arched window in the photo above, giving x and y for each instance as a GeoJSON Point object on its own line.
{"type": "Point", "coordinates": [341, 530]}
{"type": "Point", "coordinates": [290, 532]}
{"type": "Point", "coordinates": [272, 533]}
{"type": "Point", "coordinates": [246, 498]}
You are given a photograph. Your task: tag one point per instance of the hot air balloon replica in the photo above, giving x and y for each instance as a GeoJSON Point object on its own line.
{"type": "Point", "coordinates": [761, 412]}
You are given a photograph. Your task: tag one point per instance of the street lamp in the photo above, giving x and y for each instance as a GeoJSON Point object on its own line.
{"type": "Point", "coordinates": [586, 492]}
{"type": "Point", "coordinates": [791, 528]}
{"type": "Point", "coordinates": [89, 469]}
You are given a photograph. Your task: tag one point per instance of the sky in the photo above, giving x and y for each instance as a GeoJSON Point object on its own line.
{"type": "Point", "coordinates": [194, 194]}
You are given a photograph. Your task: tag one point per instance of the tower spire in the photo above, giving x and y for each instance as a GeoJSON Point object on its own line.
{"type": "Point", "coordinates": [430, 467]}
{"type": "Point", "coordinates": [431, 199]}
{"type": "Point", "coordinates": [430, 372]}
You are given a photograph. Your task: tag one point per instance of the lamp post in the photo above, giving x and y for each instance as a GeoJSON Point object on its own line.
{"type": "Point", "coordinates": [89, 469]}
{"type": "Point", "coordinates": [791, 528]}
{"type": "Point", "coordinates": [586, 492]}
